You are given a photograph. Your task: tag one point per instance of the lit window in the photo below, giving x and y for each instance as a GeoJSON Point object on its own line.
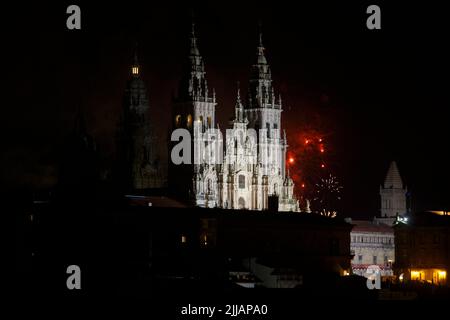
{"type": "Point", "coordinates": [177, 120]}
{"type": "Point", "coordinates": [189, 121]}
{"type": "Point", "coordinates": [183, 239]}
{"type": "Point", "coordinates": [416, 275]}
{"type": "Point", "coordinates": [135, 70]}
{"type": "Point", "coordinates": [241, 181]}
{"type": "Point", "coordinates": [442, 276]}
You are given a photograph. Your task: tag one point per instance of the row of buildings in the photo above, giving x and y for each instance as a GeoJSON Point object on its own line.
{"type": "Point", "coordinates": [154, 243]}
{"type": "Point", "coordinates": [404, 245]}
{"type": "Point", "coordinates": [373, 241]}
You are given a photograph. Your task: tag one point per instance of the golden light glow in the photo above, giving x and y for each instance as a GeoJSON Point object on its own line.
{"type": "Point", "coordinates": [178, 120]}
{"type": "Point", "coordinates": [441, 213]}
{"type": "Point", "coordinates": [291, 160]}
{"type": "Point", "coordinates": [436, 276]}
{"type": "Point", "coordinates": [183, 239]}
{"type": "Point", "coordinates": [416, 275]}
{"type": "Point", "coordinates": [135, 70]}
{"type": "Point", "coordinates": [189, 121]}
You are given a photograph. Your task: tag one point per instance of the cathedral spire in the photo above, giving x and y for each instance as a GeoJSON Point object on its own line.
{"type": "Point", "coordinates": [135, 65]}
{"type": "Point", "coordinates": [393, 178]}
{"type": "Point", "coordinates": [260, 35]}
{"type": "Point", "coordinates": [261, 93]}
{"type": "Point", "coordinates": [239, 108]}
{"type": "Point", "coordinates": [261, 59]}
{"type": "Point", "coordinates": [238, 93]}
{"type": "Point", "coordinates": [194, 49]}
{"type": "Point", "coordinates": [193, 84]}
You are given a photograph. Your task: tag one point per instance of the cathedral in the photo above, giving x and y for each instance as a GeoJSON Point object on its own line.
{"type": "Point", "coordinates": [253, 172]}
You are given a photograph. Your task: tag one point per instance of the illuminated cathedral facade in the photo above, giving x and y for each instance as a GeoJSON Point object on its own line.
{"type": "Point", "coordinates": [253, 168]}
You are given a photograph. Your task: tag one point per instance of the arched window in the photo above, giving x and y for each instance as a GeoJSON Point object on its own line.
{"type": "Point", "coordinates": [177, 120]}
{"type": "Point", "coordinates": [189, 121]}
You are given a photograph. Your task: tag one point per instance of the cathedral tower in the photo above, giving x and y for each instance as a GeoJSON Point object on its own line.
{"type": "Point", "coordinates": [137, 148]}
{"type": "Point", "coordinates": [263, 112]}
{"type": "Point", "coordinates": [393, 194]}
{"type": "Point", "coordinates": [194, 108]}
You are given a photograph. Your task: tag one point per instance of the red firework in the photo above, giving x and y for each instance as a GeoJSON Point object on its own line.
{"type": "Point", "coordinates": [307, 162]}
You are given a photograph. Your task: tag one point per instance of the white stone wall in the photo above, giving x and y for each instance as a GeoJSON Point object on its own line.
{"type": "Point", "coordinates": [367, 245]}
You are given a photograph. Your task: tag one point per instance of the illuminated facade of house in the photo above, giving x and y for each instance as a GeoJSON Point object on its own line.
{"type": "Point", "coordinates": [422, 249]}
{"type": "Point", "coordinates": [372, 243]}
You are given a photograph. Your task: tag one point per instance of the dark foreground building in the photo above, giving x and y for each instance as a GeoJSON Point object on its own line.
{"type": "Point", "coordinates": [422, 247]}
{"type": "Point", "coordinates": [140, 250]}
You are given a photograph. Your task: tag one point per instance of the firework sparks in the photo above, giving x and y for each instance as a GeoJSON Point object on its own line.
{"type": "Point", "coordinates": [327, 195]}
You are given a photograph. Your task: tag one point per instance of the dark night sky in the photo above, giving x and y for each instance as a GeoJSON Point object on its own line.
{"type": "Point", "coordinates": [378, 95]}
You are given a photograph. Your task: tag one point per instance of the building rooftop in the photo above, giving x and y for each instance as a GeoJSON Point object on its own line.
{"type": "Point", "coordinates": [371, 226]}
{"type": "Point", "coordinates": [427, 219]}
